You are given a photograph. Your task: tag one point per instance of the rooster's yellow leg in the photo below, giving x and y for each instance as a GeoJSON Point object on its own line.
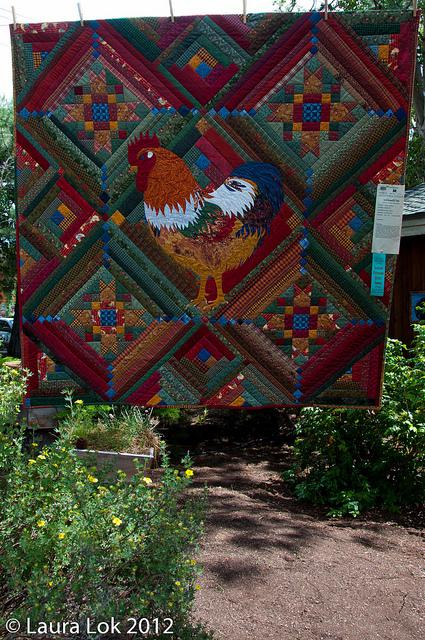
{"type": "Point", "coordinates": [218, 277]}
{"type": "Point", "coordinates": [200, 299]}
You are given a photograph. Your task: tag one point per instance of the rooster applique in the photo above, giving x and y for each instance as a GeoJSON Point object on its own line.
{"type": "Point", "coordinates": [207, 231]}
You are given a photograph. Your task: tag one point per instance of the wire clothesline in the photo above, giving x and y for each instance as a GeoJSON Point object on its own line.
{"type": "Point", "coordinates": [9, 11]}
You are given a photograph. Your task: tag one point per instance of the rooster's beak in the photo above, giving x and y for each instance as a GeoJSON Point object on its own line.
{"type": "Point", "coordinates": [133, 168]}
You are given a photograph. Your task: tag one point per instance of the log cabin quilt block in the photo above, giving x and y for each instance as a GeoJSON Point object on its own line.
{"type": "Point", "coordinates": [195, 204]}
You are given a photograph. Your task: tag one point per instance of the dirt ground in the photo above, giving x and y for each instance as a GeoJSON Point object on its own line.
{"type": "Point", "coordinates": [276, 571]}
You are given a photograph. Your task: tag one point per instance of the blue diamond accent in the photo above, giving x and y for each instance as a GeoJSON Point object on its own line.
{"type": "Point", "coordinates": [108, 317]}
{"type": "Point", "coordinates": [355, 223]}
{"type": "Point", "coordinates": [204, 354]}
{"type": "Point", "coordinates": [203, 69]}
{"type": "Point", "coordinates": [301, 321]}
{"type": "Point", "coordinates": [312, 112]}
{"type": "Point", "coordinates": [100, 111]}
{"type": "Point", "coordinates": [57, 217]}
{"type": "Point", "coordinates": [202, 162]}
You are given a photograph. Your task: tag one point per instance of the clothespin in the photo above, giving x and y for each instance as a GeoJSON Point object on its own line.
{"type": "Point", "coordinates": [415, 7]}
{"type": "Point", "coordinates": [80, 12]}
{"type": "Point", "coordinates": [14, 17]}
{"type": "Point", "coordinates": [326, 9]}
{"type": "Point", "coordinates": [244, 11]}
{"type": "Point", "coordinates": [171, 10]}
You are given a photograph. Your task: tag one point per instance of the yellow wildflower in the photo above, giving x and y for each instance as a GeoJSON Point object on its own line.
{"type": "Point", "coordinates": [31, 461]}
{"type": "Point", "coordinates": [92, 479]}
{"type": "Point", "coordinates": [41, 523]}
{"type": "Point", "coordinates": [197, 587]}
{"type": "Point", "coordinates": [50, 583]}
{"type": "Point", "coordinates": [116, 521]}
{"type": "Point", "coordinates": [61, 535]}
{"type": "Point", "coordinates": [79, 401]}
{"type": "Point", "coordinates": [34, 444]}
{"type": "Point", "coordinates": [188, 473]}
{"type": "Point", "coordinates": [147, 480]}
{"type": "Point", "coordinates": [177, 583]}
{"type": "Point", "coordinates": [41, 457]}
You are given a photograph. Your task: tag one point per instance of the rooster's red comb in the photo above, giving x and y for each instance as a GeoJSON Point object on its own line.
{"type": "Point", "coordinates": [142, 142]}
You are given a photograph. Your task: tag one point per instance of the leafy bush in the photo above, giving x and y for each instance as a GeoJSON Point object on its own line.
{"type": "Point", "coordinates": [12, 388]}
{"type": "Point", "coordinates": [169, 415]}
{"type": "Point", "coordinates": [108, 428]}
{"type": "Point", "coordinates": [75, 543]}
{"type": "Point", "coordinates": [352, 460]}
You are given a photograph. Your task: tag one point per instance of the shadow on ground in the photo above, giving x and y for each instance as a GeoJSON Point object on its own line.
{"type": "Point", "coordinates": [277, 569]}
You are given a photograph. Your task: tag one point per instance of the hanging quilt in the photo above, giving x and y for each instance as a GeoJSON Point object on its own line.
{"type": "Point", "coordinates": [195, 205]}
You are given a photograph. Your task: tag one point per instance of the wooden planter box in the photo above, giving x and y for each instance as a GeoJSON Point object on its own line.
{"type": "Point", "coordinates": [117, 461]}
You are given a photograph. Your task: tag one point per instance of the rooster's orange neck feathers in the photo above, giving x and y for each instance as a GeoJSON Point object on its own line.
{"type": "Point", "coordinates": [170, 182]}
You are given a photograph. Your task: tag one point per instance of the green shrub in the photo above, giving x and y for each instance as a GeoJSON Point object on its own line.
{"type": "Point", "coordinates": [76, 543]}
{"type": "Point", "coordinates": [12, 388]}
{"type": "Point", "coordinates": [352, 460]}
{"type": "Point", "coordinates": [169, 415]}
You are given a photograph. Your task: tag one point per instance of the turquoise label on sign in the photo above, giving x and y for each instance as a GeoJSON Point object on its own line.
{"type": "Point", "coordinates": [377, 284]}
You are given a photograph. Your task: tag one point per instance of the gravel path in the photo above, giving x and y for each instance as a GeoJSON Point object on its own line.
{"type": "Point", "coordinates": [273, 571]}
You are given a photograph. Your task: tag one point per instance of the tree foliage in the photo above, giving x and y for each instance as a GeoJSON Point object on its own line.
{"type": "Point", "coordinates": [7, 207]}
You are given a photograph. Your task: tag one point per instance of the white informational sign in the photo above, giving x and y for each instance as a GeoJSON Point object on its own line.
{"type": "Point", "coordinates": [388, 218]}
